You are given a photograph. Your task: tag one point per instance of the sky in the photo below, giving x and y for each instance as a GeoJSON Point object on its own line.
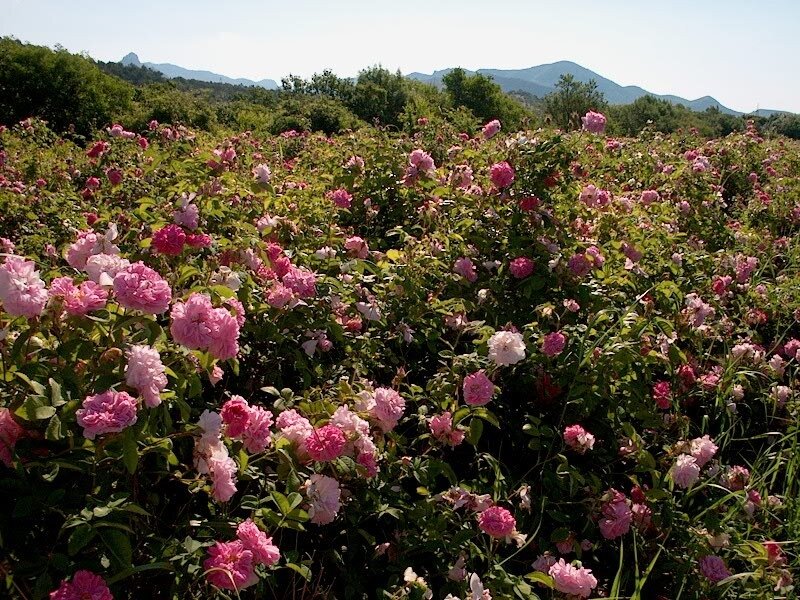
{"type": "Point", "coordinates": [746, 54]}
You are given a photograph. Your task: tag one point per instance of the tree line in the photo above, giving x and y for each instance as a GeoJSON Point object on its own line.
{"type": "Point", "coordinates": [77, 95]}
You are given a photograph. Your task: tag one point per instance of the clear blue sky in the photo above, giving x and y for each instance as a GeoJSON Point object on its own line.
{"type": "Point", "coordinates": [745, 54]}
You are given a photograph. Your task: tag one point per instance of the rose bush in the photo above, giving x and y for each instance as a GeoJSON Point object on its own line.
{"type": "Point", "coordinates": [469, 365]}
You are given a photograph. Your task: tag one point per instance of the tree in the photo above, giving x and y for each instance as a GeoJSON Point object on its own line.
{"type": "Point", "coordinates": [67, 90]}
{"type": "Point", "coordinates": [483, 97]}
{"type": "Point", "coordinates": [647, 111]}
{"type": "Point", "coordinates": [572, 100]}
{"type": "Point", "coordinates": [379, 95]}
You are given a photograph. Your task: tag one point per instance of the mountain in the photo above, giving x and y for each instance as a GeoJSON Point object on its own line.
{"type": "Point", "coordinates": [537, 81]}
{"type": "Point", "coordinates": [171, 71]}
{"type": "Point", "coordinates": [541, 80]}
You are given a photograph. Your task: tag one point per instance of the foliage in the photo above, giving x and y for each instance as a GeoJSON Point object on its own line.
{"type": "Point", "coordinates": [66, 90]}
{"type": "Point", "coordinates": [484, 98]}
{"type": "Point", "coordinates": [571, 100]}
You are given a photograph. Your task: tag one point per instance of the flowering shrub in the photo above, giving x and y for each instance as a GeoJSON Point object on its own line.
{"type": "Point", "coordinates": [456, 365]}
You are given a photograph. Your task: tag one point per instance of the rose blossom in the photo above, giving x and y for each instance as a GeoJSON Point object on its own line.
{"type": "Point", "coordinates": [506, 348]}
{"type": "Point", "coordinates": [145, 372]}
{"type": "Point", "coordinates": [575, 581]}
{"type": "Point", "coordinates": [577, 438]}
{"type": "Point", "coordinates": [324, 496]}
{"type": "Point", "coordinates": [497, 521]}
{"type": "Point", "coordinates": [258, 543]}
{"type": "Point", "coordinates": [478, 389]}
{"type": "Point", "coordinates": [85, 585]}
{"type": "Point", "coordinates": [139, 287]}
{"type": "Point", "coordinates": [109, 412]}
{"type": "Point", "coordinates": [229, 566]}
{"type": "Point", "coordinates": [22, 291]}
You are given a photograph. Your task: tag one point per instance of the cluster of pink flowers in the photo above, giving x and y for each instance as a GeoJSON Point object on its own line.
{"type": "Point", "coordinates": [686, 470]}
{"type": "Point", "coordinates": [10, 433]}
{"type": "Point", "coordinates": [211, 457]}
{"type": "Point", "coordinates": [340, 197]}
{"type": "Point", "coordinates": [386, 407]}
{"type": "Point", "coordinates": [420, 164]}
{"type": "Point", "coordinates": [262, 173]}
{"type": "Point", "coordinates": [231, 565]}
{"type": "Point", "coordinates": [85, 585]}
{"type": "Point", "coordinates": [617, 515]}
{"type": "Point", "coordinates": [466, 268]}
{"type": "Point", "coordinates": [139, 287]}
{"type": "Point", "coordinates": [501, 175]}
{"type": "Point", "coordinates": [145, 373]}
{"type": "Point", "coordinates": [461, 176]}
{"type": "Point", "coordinates": [22, 291]}
{"type": "Point", "coordinates": [649, 196]}
{"type": "Point", "coordinates": [745, 265]}
{"type": "Point", "coordinates": [582, 263]}
{"type": "Point", "coordinates": [577, 438]}
{"type": "Point", "coordinates": [251, 424]}
{"type": "Point", "coordinates": [441, 427]}
{"type": "Point", "coordinates": [506, 348]}
{"type": "Point", "coordinates": [169, 240]}
{"type": "Point", "coordinates": [325, 443]}
{"type": "Point", "coordinates": [346, 434]}
{"type": "Point", "coordinates": [594, 122]}
{"type": "Point", "coordinates": [662, 394]}
{"type": "Point", "coordinates": [478, 389]}
{"type": "Point", "coordinates": [593, 197]}
{"type": "Point", "coordinates": [291, 283]}
{"type": "Point", "coordinates": [78, 299]}
{"type": "Point", "coordinates": [197, 325]}
{"type": "Point", "coordinates": [574, 581]}
{"type": "Point", "coordinates": [109, 412]}
{"type": "Point", "coordinates": [491, 129]}
{"type": "Point", "coordinates": [357, 247]}
{"type": "Point", "coordinates": [697, 311]}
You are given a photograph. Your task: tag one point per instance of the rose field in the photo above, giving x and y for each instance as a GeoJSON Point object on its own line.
{"type": "Point", "coordinates": [434, 364]}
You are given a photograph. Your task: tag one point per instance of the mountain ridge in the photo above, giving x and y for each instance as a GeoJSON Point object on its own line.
{"type": "Point", "coordinates": [538, 80]}
{"type": "Point", "coordinates": [172, 71]}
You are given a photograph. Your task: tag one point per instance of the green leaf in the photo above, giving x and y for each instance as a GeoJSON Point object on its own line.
{"type": "Point", "coordinates": [475, 431]}
{"type": "Point", "coordinates": [282, 502]}
{"type": "Point", "coordinates": [53, 431]}
{"type": "Point", "coordinates": [56, 398]}
{"type": "Point", "coordinates": [35, 408]}
{"type": "Point", "coordinates": [78, 539]}
{"type": "Point", "coordinates": [303, 570]}
{"type": "Point", "coordinates": [130, 452]}
{"type": "Point", "coordinates": [539, 577]}
{"type": "Point", "coordinates": [119, 545]}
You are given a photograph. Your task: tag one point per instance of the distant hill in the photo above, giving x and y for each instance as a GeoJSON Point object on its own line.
{"type": "Point", "coordinates": [172, 71]}
{"type": "Point", "coordinates": [537, 81]}
{"type": "Point", "coordinates": [541, 80]}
